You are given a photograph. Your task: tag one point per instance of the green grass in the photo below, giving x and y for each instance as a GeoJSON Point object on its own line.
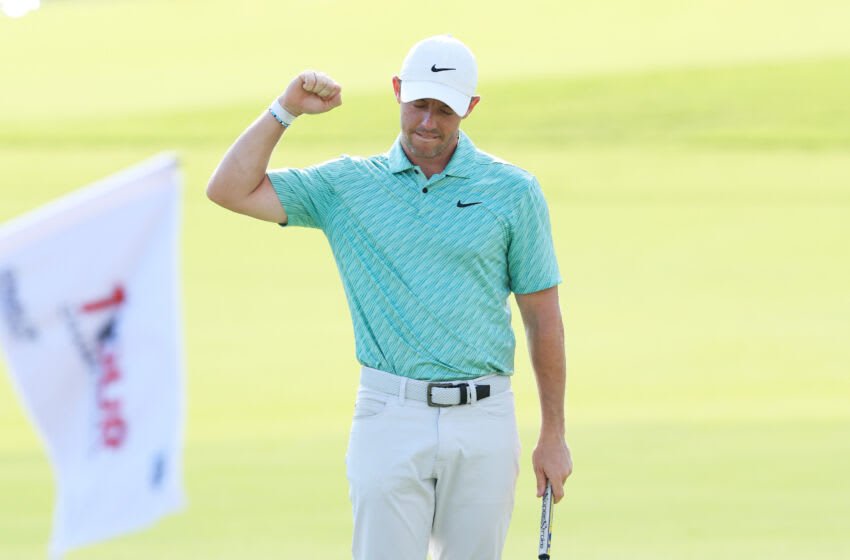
{"type": "Point", "coordinates": [695, 158]}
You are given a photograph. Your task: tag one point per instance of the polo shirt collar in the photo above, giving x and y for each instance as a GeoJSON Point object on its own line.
{"type": "Point", "coordinates": [461, 163]}
{"type": "Point", "coordinates": [459, 166]}
{"type": "Point", "coordinates": [397, 158]}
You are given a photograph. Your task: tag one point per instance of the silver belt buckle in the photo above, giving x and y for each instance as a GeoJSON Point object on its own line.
{"type": "Point", "coordinates": [442, 386]}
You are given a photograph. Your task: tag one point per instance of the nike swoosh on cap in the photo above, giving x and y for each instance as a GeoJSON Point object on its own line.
{"type": "Point", "coordinates": [435, 69]}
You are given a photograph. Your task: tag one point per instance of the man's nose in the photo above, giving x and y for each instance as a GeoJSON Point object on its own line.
{"type": "Point", "coordinates": [428, 118]}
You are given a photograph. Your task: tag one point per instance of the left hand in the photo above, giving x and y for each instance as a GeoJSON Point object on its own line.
{"type": "Point", "coordinates": [551, 460]}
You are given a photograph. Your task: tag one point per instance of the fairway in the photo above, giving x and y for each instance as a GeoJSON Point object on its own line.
{"type": "Point", "coordinates": [696, 161]}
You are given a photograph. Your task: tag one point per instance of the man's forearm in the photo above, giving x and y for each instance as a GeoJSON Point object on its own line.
{"type": "Point", "coordinates": [546, 349]}
{"type": "Point", "coordinates": [242, 170]}
{"type": "Point", "coordinates": [245, 163]}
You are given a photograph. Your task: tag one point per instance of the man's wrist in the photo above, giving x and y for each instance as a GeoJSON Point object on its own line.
{"type": "Point", "coordinates": [281, 115]}
{"type": "Point", "coordinates": [555, 430]}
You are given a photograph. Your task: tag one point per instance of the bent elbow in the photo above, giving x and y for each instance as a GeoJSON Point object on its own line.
{"type": "Point", "coordinates": [215, 192]}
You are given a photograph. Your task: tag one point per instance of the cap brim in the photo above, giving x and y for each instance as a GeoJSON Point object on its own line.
{"type": "Point", "coordinates": [413, 90]}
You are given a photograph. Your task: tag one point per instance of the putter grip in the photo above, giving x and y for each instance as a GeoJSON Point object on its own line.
{"type": "Point", "coordinates": [545, 524]}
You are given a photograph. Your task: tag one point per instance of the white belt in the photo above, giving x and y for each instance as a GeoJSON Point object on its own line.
{"type": "Point", "coordinates": [449, 393]}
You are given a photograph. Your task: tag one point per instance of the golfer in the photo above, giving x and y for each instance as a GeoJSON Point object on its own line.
{"type": "Point", "coordinates": [430, 238]}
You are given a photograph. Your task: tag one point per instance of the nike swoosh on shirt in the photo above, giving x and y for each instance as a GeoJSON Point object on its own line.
{"type": "Point", "coordinates": [462, 205]}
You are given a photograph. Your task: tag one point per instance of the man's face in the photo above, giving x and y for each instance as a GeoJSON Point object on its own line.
{"type": "Point", "coordinates": [428, 126]}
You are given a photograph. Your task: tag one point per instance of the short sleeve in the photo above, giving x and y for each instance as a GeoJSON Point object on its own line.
{"type": "Point", "coordinates": [306, 195]}
{"type": "Point", "coordinates": [532, 264]}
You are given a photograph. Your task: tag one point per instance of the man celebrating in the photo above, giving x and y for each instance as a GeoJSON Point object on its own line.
{"type": "Point", "coordinates": [430, 239]}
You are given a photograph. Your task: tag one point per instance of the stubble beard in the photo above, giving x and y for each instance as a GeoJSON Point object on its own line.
{"type": "Point", "coordinates": [425, 153]}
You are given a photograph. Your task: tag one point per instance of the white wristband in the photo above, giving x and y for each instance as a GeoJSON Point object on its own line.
{"type": "Point", "coordinates": [280, 114]}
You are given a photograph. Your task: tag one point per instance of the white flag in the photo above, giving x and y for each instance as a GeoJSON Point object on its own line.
{"type": "Point", "coordinates": [91, 328]}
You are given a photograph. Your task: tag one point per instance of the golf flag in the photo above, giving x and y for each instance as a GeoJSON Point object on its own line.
{"type": "Point", "coordinates": [91, 330]}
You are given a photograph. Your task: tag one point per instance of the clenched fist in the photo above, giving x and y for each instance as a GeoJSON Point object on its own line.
{"type": "Point", "coordinates": [311, 92]}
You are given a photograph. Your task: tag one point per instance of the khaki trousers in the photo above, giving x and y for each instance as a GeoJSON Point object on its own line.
{"type": "Point", "coordinates": [424, 478]}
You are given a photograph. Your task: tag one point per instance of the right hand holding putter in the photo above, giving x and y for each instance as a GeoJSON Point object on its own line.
{"type": "Point", "coordinates": [311, 92]}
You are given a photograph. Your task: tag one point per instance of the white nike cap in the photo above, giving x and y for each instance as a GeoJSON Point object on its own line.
{"type": "Point", "coordinates": [440, 67]}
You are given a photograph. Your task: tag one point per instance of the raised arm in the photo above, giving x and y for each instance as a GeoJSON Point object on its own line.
{"type": "Point", "coordinates": [240, 183]}
{"type": "Point", "coordinates": [544, 329]}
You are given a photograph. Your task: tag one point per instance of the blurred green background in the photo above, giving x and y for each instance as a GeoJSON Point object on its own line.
{"type": "Point", "coordinates": [696, 160]}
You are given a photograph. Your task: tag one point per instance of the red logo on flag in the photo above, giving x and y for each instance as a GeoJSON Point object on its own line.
{"type": "Point", "coordinates": [100, 351]}
{"type": "Point", "coordinates": [113, 426]}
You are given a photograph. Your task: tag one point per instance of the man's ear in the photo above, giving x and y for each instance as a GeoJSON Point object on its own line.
{"type": "Point", "coordinates": [473, 101]}
{"type": "Point", "coordinates": [397, 88]}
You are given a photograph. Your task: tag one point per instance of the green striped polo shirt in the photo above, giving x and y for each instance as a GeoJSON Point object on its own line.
{"type": "Point", "coordinates": [428, 264]}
